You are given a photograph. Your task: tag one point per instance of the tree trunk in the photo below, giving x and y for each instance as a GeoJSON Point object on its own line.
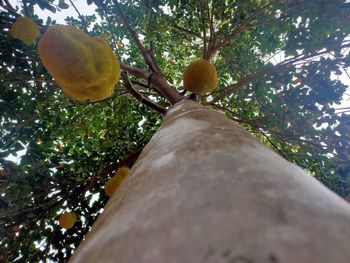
{"type": "Point", "coordinates": [206, 190]}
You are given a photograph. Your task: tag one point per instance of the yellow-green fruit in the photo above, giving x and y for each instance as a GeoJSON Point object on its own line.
{"type": "Point", "coordinates": [113, 184]}
{"type": "Point", "coordinates": [84, 67]}
{"type": "Point", "coordinates": [200, 77]}
{"type": "Point", "coordinates": [123, 171]}
{"type": "Point", "coordinates": [67, 220]}
{"type": "Point", "coordinates": [25, 30]}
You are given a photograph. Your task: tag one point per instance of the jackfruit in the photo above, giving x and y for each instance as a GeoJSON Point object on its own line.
{"type": "Point", "coordinates": [25, 30]}
{"type": "Point", "coordinates": [200, 77]}
{"type": "Point", "coordinates": [67, 220]}
{"type": "Point", "coordinates": [112, 184]}
{"type": "Point", "coordinates": [123, 171]}
{"type": "Point", "coordinates": [84, 67]}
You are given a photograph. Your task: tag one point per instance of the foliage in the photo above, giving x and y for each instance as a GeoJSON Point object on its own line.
{"type": "Point", "coordinates": [72, 148]}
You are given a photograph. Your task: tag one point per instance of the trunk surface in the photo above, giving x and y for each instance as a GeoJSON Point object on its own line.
{"type": "Point", "coordinates": [206, 190]}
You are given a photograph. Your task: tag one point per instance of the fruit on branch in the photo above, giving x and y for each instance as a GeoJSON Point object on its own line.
{"type": "Point", "coordinates": [85, 67]}
{"type": "Point", "coordinates": [25, 30]}
{"type": "Point", "coordinates": [113, 183]}
{"type": "Point", "coordinates": [123, 171]}
{"type": "Point", "coordinates": [200, 77]}
{"type": "Point", "coordinates": [67, 220]}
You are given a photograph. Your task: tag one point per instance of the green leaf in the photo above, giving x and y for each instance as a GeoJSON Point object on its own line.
{"type": "Point", "coordinates": [45, 5]}
{"type": "Point", "coordinates": [63, 5]}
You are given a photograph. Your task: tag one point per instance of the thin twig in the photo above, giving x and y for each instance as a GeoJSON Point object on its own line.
{"type": "Point", "coordinates": [272, 143]}
{"type": "Point", "coordinates": [210, 18]}
{"type": "Point", "coordinates": [242, 119]}
{"type": "Point", "coordinates": [285, 64]}
{"type": "Point", "coordinates": [289, 136]}
{"type": "Point", "coordinates": [8, 4]}
{"type": "Point", "coordinates": [25, 8]}
{"type": "Point", "coordinates": [80, 16]}
{"type": "Point", "coordinates": [109, 23]}
{"type": "Point", "coordinates": [8, 7]}
{"type": "Point", "coordinates": [212, 34]}
{"type": "Point", "coordinates": [145, 86]}
{"type": "Point", "coordinates": [244, 26]}
{"type": "Point", "coordinates": [344, 69]}
{"type": "Point", "coordinates": [187, 31]}
{"type": "Point", "coordinates": [346, 108]}
{"type": "Point", "coordinates": [156, 77]}
{"type": "Point", "coordinates": [203, 30]}
{"type": "Point", "coordinates": [145, 53]}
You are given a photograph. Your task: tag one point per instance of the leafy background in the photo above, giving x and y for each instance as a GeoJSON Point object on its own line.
{"type": "Point", "coordinates": [279, 63]}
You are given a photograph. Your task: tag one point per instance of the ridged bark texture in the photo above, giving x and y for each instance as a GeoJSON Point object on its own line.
{"type": "Point", "coordinates": [206, 190]}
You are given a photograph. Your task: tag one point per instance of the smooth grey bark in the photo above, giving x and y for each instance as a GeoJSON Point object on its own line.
{"type": "Point", "coordinates": [205, 190]}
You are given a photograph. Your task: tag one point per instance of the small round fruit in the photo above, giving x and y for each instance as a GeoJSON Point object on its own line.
{"type": "Point", "coordinates": [112, 184]}
{"type": "Point", "coordinates": [25, 30]}
{"type": "Point", "coordinates": [85, 67]}
{"type": "Point", "coordinates": [200, 77]}
{"type": "Point", "coordinates": [67, 220]}
{"type": "Point", "coordinates": [123, 171]}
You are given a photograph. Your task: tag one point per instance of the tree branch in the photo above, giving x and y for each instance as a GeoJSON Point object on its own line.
{"type": "Point", "coordinates": [244, 81]}
{"type": "Point", "coordinates": [203, 30]}
{"type": "Point", "coordinates": [184, 30]}
{"type": "Point", "coordinates": [254, 124]}
{"type": "Point", "coordinates": [140, 97]}
{"type": "Point", "coordinates": [260, 127]}
{"type": "Point", "coordinates": [173, 24]}
{"type": "Point", "coordinates": [145, 86]}
{"type": "Point", "coordinates": [237, 31]}
{"type": "Point", "coordinates": [212, 34]}
{"type": "Point", "coordinates": [159, 83]}
{"type": "Point", "coordinates": [210, 18]}
{"type": "Point", "coordinates": [150, 60]}
{"type": "Point", "coordinates": [25, 8]}
{"type": "Point", "coordinates": [275, 68]}
{"type": "Point", "coordinates": [272, 144]}
{"type": "Point", "coordinates": [9, 8]}
{"type": "Point", "coordinates": [156, 78]}
{"type": "Point", "coordinates": [346, 108]}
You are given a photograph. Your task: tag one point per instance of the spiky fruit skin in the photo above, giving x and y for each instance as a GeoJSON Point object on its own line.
{"type": "Point", "coordinates": [200, 77]}
{"type": "Point", "coordinates": [25, 30]}
{"type": "Point", "coordinates": [67, 220]}
{"type": "Point", "coordinates": [112, 184]}
{"type": "Point", "coordinates": [123, 171]}
{"type": "Point", "coordinates": [84, 67]}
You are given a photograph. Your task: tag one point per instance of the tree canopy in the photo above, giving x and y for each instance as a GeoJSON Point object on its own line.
{"type": "Point", "coordinates": [279, 64]}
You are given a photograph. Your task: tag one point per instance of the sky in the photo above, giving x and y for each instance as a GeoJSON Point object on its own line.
{"type": "Point", "coordinates": [81, 5]}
